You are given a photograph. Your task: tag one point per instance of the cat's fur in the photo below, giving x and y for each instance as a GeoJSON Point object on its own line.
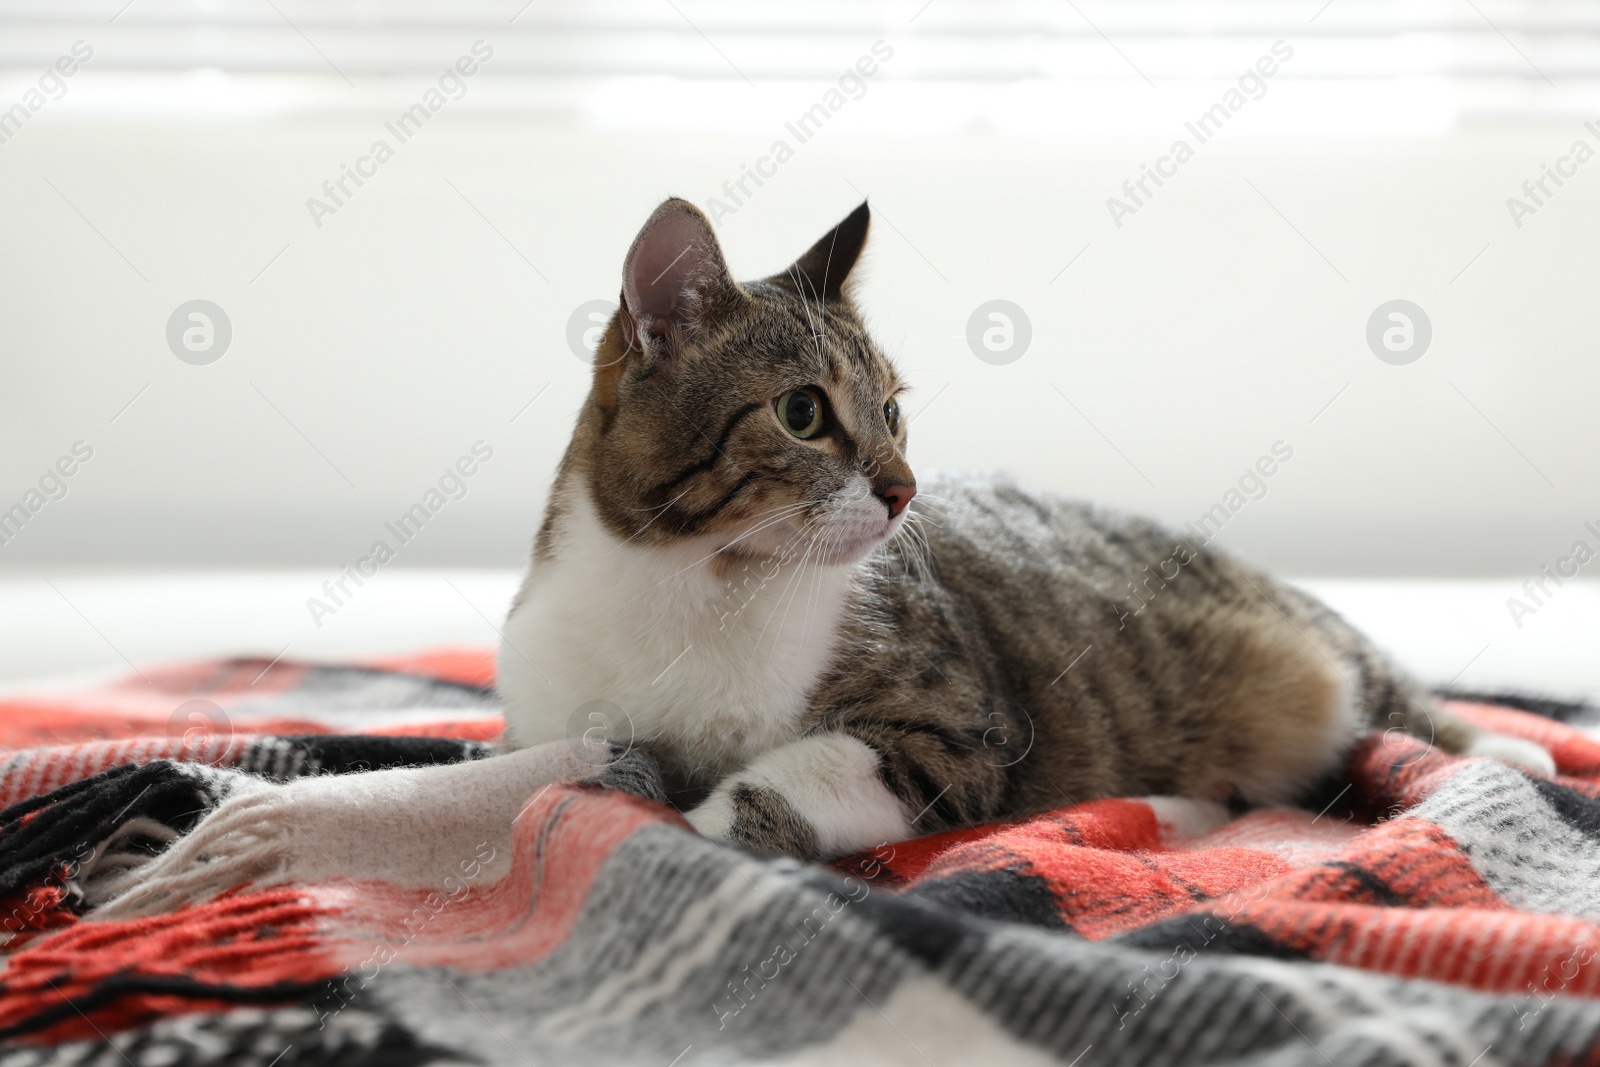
{"type": "Point", "coordinates": [756, 613]}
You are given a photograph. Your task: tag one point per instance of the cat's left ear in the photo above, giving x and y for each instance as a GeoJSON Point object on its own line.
{"type": "Point", "coordinates": [820, 274]}
{"type": "Point", "coordinates": [674, 279]}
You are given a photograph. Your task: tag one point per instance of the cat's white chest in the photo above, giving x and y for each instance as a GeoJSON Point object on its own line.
{"type": "Point", "coordinates": [709, 670]}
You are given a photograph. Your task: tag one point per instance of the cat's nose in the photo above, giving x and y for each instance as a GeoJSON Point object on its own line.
{"type": "Point", "coordinates": [897, 497]}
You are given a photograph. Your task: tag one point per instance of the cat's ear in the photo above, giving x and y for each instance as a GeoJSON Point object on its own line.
{"type": "Point", "coordinates": [820, 274]}
{"type": "Point", "coordinates": [674, 279]}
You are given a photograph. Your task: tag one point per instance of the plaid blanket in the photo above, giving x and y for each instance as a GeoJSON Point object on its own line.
{"type": "Point", "coordinates": [279, 864]}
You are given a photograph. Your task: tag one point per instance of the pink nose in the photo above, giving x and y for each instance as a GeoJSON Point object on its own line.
{"type": "Point", "coordinates": [897, 497]}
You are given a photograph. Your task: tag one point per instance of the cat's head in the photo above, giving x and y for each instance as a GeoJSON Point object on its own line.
{"type": "Point", "coordinates": [753, 419]}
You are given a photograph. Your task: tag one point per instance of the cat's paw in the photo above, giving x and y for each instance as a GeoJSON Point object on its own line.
{"type": "Point", "coordinates": [1519, 752]}
{"type": "Point", "coordinates": [1186, 817]}
{"type": "Point", "coordinates": [815, 798]}
{"type": "Point", "coordinates": [757, 818]}
{"type": "Point", "coordinates": [713, 817]}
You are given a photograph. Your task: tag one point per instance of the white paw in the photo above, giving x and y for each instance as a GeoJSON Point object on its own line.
{"type": "Point", "coordinates": [1182, 817]}
{"type": "Point", "coordinates": [829, 781]}
{"type": "Point", "coordinates": [1528, 755]}
{"type": "Point", "coordinates": [714, 816]}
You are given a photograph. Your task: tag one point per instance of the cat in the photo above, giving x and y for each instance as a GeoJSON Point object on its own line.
{"type": "Point", "coordinates": [824, 653]}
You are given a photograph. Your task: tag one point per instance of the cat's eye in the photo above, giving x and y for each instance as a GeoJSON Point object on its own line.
{"type": "Point", "coordinates": [800, 411]}
{"type": "Point", "coordinates": [891, 415]}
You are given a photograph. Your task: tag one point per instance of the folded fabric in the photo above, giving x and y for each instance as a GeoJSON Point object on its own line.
{"type": "Point", "coordinates": [326, 869]}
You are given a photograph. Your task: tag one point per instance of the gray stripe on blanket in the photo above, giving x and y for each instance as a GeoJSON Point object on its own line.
{"type": "Point", "coordinates": [672, 949]}
{"type": "Point", "coordinates": [672, 920]}
{"type": "Point", "coordinates": [1527, 851]}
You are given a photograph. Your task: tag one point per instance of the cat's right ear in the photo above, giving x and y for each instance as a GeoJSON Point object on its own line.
{"type": "Point", "coordinates": [673, 281]}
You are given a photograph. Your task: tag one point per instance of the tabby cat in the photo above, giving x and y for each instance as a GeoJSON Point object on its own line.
{"type": "Point", "coordinates": [824, 653]}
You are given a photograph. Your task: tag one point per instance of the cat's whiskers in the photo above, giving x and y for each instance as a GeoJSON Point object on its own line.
{"type": "Point", "coordinates": [788, 512]}
{"type": "Point", "coordinates": [920, 536]}
{"type": "Point", "coordinates": [789, 590]}
{"type": "Point", "coordinates": [783, 512]}
{"type": "Point", "coordinates": [916, 535]}
{"type": "Point", "coordinates": [919, 506]}
{"type": "Point", "coordinates": [817, 338]}
{"type": "Point", "coordinates": [819, 549]}
{"type": "Point", "coordinates": [680, 572]}
{"type": "Point", "coordinates": [659, 511]}
{"type": "Point", "coordinates": [915, 550]}
{"type": "Point", "coordinates": [668, 504]}
{"type": "Point", "coordinates": [819, 552]}
{"type": "Point", "coordinates": [811, 600]}
{"type": "Point", "coordinates": [816, 596]}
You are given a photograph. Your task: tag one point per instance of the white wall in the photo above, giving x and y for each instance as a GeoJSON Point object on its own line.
{"type": "Point", "coordinates": [1206, 328]}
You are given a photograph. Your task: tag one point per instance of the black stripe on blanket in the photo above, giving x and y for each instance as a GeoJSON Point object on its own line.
{"type": "Point", "coordinates": [115, 987]}
{"type": "Point", "coordinates": [1576, 712]}
{"type": "Point", "coordinates": [39, 835]}
{"type": "Point", "coordinates": [349, 754]}
{"type": "Point", "coordinates": [250, 1037]}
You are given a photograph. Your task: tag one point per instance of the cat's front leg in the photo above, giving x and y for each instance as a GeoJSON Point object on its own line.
{"type": "Point", "coordinates": [815, 798]}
